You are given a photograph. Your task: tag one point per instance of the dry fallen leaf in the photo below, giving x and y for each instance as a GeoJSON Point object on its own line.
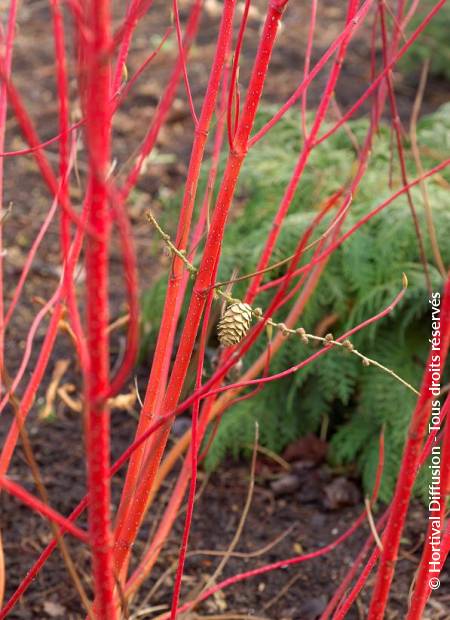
{"type": "Point", "coordinates": [125, 402]}
{"type": "Point", "coordinates": [59, 371]}
{"type": "Point", "coordinates": [64, 393]}
{"type": "Point", "coordinates": [54, 610]}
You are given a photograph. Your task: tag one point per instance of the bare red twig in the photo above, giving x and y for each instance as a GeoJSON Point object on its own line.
{"type": "Point", "coordinates": [167, 332]}
{"type": "Point", "coordinates": [39, 506]}
{"type": "Point", "coordinates": [422, 588]}
{"type": "Point", "coordinates": [96, 68]}
{"type": "Point", "coordinates": [411, 456]}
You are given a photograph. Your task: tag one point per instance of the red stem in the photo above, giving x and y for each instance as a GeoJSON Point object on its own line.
{"type": "Point", "coordinates": [132, 287]}
{"type": "Point", "coordinates": [98, 128]}
{"type": "Point", "coordinates": [360, 223]}
{"type": "Point", "coordinates": [193, 463]}
{"type": "Point", "coordinates": [339, 593]}
{"type": "Point", "coordinates": [33, 572]}
{"type": "Point", "coordinates": [151, 555]}
{"type": "Point", "coordinates": [401, 156]}
{"type": "Point", "coordinates": [303, 158]}
{"type": "Point", "coordinates": [422, 588]}
{"type": "Point", "coordinates": [7, 46]}
{"type": "Point", "coordinates": [29, 261]}
{"type": "Point", "coordinates": [205, 274]}
{"type": "Point", "coordinates": [307, 64]}
{"type": "Point", "coordinates": [44, 509]}
{"type": "Point", "coordinates": [65, 163]}
{"type": "Point", "coordinates": [159, 424]}
{"type": "Point", "coordinates": [182, 54]}
{"type": "Point", "coordinates": [44, 355]}
{"type": "Point", "coordinates": [164, 104]}
{"type": "Point", "coordinates": [233, 91]}
{"type": "Point", "coordinates": [274, 566]}
{"type": "Point", "coordinates": [350, 28]}
{"type": "Point", "coordinates": [117, 99]}
{"type": "Point", "coordinates": [170, 315]}
{"type": "Point", "coordinates": [378, 80]}
{"type": "Point", "coordinates": [348, 602]}
{"type": "Point", "coordinates": [408, 471]}
{"type": "Point", "coordinates": [166, 523]}
{"type": "Point", "coordinates": [130, 23]}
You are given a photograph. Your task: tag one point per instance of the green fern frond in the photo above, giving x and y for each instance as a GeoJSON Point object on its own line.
{"type": "Point", "coordinates": [361, 277]}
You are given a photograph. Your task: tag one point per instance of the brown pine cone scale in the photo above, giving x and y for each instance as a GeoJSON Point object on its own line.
{"type": "Point", "coordinates": [234, 324]}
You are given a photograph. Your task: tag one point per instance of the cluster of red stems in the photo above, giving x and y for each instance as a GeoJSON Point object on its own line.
{"type": "Point", "coordinates": [100, 58]}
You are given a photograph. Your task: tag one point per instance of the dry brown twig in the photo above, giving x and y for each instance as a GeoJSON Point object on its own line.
{"type": "Point", "coordinates": [328, 340]}
{"type": "Point", "coordinates": [242, 520]}
{"type": "Point", "coordinates": [211, 552]}
{"type": "Point", "coordinates": [284, 590]}
{"type": "Point", "coordinates": [247, 554]}
{"type": "Point", "coordinates": [118, 323]}
{"type": "Point", "coordinates": [196, 593]}
{"type": "Point", "coordinates": [372, 525]}
{"type": "Point", "coordinates": [172, 568]}
{"type": "Point", "coordinates": [422, 185]}
{"type": "Point", "coordinates": [59, 371]}
{"type": "Point", "coordinates": [64, 392]}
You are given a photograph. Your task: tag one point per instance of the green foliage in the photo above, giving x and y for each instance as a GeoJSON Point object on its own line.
{"type": "Point", "coordinates": [360, 279]}
{"type": "Point", "coordinates": [152, 305]}
{"type": "Point", "coordinates": [432, 45]}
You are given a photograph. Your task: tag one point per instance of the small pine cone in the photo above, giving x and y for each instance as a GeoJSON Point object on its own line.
{"type": "Point", "coordinates": [234, 324]}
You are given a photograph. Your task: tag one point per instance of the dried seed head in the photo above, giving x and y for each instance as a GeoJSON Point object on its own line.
{"type": "Point", "coordinates": [302, 333]}
{"type": "Point", "coordinates": [234, 324]}
{"type": "Point", "coordinates": [329, 338]}
{"type": "Point", "coordinates": [284, 330]}
{"type": "Point", "coordinates": [258, 313]}
{"type": "Point", "coordinates": [365, 361]}
{"type": "Point", "coordinates": [348, 345]}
